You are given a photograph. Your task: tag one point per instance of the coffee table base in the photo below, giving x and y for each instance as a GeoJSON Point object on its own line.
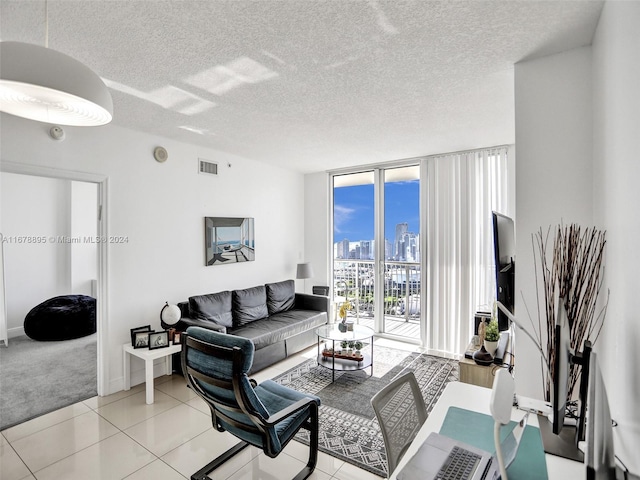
{"type": "Point", "coordinates": [344, 364]}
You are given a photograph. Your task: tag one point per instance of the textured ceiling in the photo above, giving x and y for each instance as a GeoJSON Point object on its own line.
{"type": "Point", "coordinates": [310, 85]}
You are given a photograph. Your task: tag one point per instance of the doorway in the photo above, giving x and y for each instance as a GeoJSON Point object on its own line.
{"type": "Point", "coordinates": [100, 287]}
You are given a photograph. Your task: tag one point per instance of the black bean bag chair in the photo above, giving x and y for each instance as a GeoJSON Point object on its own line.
{"type": "Point", "coordinates": [62, 318]}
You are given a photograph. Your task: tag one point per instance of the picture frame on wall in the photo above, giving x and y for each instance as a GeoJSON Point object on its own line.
{"type": "Point", "coordinates": [158, 340]}
{"type": "Point", "coordinates": [138, 341]}
{"type": "Point", "coordinates": [229, 240]}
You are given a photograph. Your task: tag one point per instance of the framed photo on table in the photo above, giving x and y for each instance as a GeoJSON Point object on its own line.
{"type": "Point", "coordinates": [139, 336]}
{"type": "Point", "coordinates": [158, 340]}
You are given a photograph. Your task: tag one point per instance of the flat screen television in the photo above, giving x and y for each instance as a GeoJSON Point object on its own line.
{"type": "Point", "coordinates": [504, 247]}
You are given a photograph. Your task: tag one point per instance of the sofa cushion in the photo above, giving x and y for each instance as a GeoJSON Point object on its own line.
{"type": "Point", "coordinates": [280, 296]}
{"type": "Point", "coordinates": [249, 305]}
{"type": "Point", "coordinates": [279, 327]}
{"type": "Point", "coordinates": [213, 307]}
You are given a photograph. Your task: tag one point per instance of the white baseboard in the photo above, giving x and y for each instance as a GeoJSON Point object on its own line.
{"type": "Point", "coordinates": [15, 332]}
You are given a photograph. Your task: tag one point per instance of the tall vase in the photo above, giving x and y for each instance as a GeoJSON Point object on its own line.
{"type": "Point", "coordinates": [342, 326]}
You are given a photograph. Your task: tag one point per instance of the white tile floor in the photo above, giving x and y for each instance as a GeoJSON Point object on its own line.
{"type": "Point", "coordinates": [120, 436]}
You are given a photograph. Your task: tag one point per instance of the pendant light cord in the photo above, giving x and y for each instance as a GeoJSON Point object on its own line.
{"type": "Point", "coordinates": [46, 23]}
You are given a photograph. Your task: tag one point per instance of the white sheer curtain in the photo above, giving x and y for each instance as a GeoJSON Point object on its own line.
{"type": "Point", "coordinates": [462, 190]}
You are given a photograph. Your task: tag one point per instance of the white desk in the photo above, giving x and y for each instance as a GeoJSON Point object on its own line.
{"type": "Point", "coordinates": [148, 356]}
{"type": "Point", "coordinates": [474, 398]}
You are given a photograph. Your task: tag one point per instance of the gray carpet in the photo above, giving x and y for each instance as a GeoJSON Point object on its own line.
{"type": "Point", "coordinates": [39, 377]}
{"type": "Point", "coordinates": [348, 428]}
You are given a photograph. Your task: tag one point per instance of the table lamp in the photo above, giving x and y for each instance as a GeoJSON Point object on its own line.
{"type": "Point", "coordinates": [304, 270]}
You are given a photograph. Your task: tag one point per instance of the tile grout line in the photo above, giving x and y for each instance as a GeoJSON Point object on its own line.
{"type": "Point", "coordinates": [154, 457]}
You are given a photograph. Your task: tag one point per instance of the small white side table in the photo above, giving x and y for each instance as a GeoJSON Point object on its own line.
{"type": "Point", "coordinates": [148, 356]}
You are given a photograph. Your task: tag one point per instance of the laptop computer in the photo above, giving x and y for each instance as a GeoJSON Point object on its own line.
{"type": "Point", "coordinates": [443, 458]}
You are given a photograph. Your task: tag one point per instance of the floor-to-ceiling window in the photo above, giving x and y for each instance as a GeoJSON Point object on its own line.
{"type": "Point", "coordinates": [376, 248]}
{"type": "Point", "coordinates": [354, 226]}
{"type": "Point", "coordinates": [412, 244]}
{"type": "Point", "coordinates": [401, 256]}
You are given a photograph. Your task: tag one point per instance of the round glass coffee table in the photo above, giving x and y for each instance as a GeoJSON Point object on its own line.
{"type": "Point", "coordinates": [339, 349]}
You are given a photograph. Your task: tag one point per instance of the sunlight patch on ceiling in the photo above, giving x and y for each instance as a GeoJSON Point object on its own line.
{"type": "Point", "coordinates": [199, 131]}
{"type": "Point", "coordinates": [382, 20]}
{"type": "Point", "coordinates": [223, 78]}
{"type": "Point", "coordinates": [274, 57]}
{"type": "Point", "coordinates": [349, 59]}
{"type": "Point", "coordinates": [169, 97]}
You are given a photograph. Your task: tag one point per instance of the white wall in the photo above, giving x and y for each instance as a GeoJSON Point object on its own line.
{"type": "Point", "coordinates": [554, 174]}
{"type": "Point", "coordinates": [33, 210]}
{"type": "Point", "coordinates": [577, 130]}
{"type": "Point", "coordinates": [159, 209]}
{"type": "Point", "coordinates": [616, 88]}
{"type": "Point", "coordinates": [317, 233]}
{"type": "Point", "coordinates": [83, 230]}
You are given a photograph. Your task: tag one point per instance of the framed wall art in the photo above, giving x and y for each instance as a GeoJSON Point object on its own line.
{"type": "Point", "coordinates": [228, 240]}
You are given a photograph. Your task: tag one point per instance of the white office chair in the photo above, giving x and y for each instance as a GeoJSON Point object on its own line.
{"type": "Point", "coordinates": [401, 411]}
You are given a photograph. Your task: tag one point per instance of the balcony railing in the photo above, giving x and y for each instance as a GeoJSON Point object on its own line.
{"type": "Point", "coordinates": [354, 281]}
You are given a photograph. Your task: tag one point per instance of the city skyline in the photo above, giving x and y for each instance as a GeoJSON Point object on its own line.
{"type": "Point", "coordinates": [354, 220]}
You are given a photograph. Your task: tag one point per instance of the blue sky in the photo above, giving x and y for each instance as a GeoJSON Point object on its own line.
{"type": "Point", "coordinates": [354, 210]}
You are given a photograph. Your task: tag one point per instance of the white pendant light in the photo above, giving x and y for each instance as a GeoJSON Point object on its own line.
{"type": "Point", "coordinates": [48, 86]}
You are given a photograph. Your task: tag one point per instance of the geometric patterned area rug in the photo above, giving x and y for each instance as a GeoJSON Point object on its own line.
{"type": "Point", "coordinates": [348, 427]}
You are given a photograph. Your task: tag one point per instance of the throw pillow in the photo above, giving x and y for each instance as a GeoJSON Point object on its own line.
{"type": "Point", "coordinates": [249, 305]}
{"type": "Point", "coordinates": [213, 307]}
{"type": "Point", "coordinates": [280, 296]}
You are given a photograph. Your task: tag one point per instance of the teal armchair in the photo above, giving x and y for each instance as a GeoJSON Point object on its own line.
{"type": "Point", "coordinates": [266, 416]}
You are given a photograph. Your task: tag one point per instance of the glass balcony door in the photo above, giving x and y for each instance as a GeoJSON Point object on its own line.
{"type": "Point", "coordinates": [400, 258]}
{"type": "Point", "coordinates": [354, 226]}
{"type": "Point", "coordinates": [376, 249]}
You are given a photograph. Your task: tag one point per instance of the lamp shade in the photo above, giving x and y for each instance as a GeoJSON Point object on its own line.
{"type": "Point", "coordinates": [48, 86]}
{"type": "Point", "coordinates": [304, 270]}
{"type": "Point", "coordinates": [170, 314]}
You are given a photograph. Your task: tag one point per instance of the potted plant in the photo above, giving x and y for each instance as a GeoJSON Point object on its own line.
{"type": "Point", "coordinates": [358, 346]}
{"type": "Point", "coordinates": [344, 344]}
{"type": "Point", "coordinates": [350, 349]}
{"type": "Point", "coordinates": [491, 337]}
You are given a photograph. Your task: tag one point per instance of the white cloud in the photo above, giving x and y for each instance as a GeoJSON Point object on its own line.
{"type": "Point", "coordinates": [341, 215]}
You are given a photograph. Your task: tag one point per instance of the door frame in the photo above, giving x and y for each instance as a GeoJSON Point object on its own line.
{"type": "Point", "coordinates": [102, 305]}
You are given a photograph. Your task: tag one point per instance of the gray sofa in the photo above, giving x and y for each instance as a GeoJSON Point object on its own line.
{"type": "Point", "coordinates": [277, 320]}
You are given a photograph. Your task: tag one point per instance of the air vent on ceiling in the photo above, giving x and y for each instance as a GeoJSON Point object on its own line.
{"type": "Point", "coordinates": [206, 167]}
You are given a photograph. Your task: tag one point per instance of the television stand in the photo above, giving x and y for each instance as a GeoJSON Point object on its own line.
{"type": "Point", "coordinates": [563, 445]}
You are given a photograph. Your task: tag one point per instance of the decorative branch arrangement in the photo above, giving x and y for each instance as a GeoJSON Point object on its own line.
{"type": "Point", "coordinates": [573, 279]}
